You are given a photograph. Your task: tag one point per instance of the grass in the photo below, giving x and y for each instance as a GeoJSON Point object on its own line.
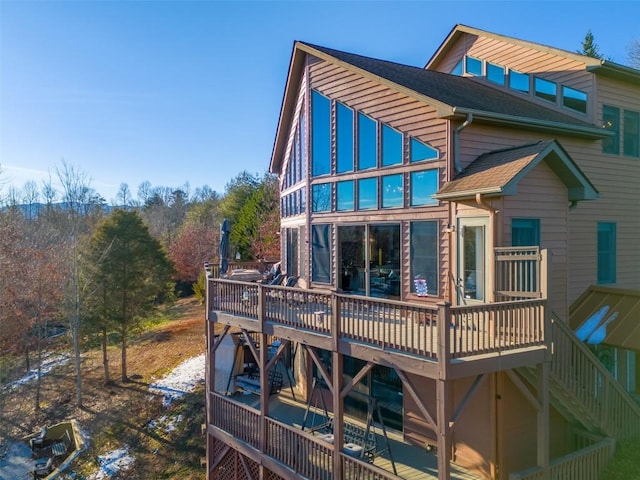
{"type": "Point", "coordinates": [626, 462]}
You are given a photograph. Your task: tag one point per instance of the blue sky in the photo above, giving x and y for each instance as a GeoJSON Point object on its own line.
{"type": "Point", "coordinates": [177, 92]}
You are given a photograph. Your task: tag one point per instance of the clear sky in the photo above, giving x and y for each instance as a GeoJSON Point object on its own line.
{"type": "Point", "coordinates": [176, 91]}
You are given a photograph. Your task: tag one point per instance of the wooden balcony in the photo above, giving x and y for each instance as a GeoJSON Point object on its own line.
{"type": "Point", "coordinates": [436, 341]}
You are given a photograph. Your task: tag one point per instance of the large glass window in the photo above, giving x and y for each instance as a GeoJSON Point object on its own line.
{"type": "Point", "coordinates": [292, 252]}
{"type": "Point", "coordinates": [574, 99]}
{"type": "Point", "coordinates": [606, 252]}
{"type": "Point", "coordinates": [321, 134]}
{"type": "Point", "coordinates": [495, 73]}
{"type": "Point", "coordinates": [474, 66]}
{"type": "Point", "coordinates": [545, 89]}
{"type": "Point", "coordinates": [344, 196]}
{"type": "Point", "coordinates": [421, 151]}
{"type": "Point", "coordinates": [424, 258]}
{"type": "Point", "coordinates": [391, 146]}
{"type": "Point", "coordinates": [321, 253]}
{"type": "Point", "coordinates": [392, 191]}
{"type": "Point", "coordinates": [525, 232]}
{"type": "Point", "coordinates": [519, 81]}
{"type": "Point", "coordinates": [321, 197]}
{"type": "Point", "coordinates": [424, 185]}
{"type": "Point", "coordinates": [344, 139]}
{"type": "Point", "coordinates": [367, 142]}
{"type": "Point", "coordinates": [368, 193]}
{"type": "Point", "coordinates": [611, 121]}
{"type": "Point", "coordinates": [384, 260]}
{"type": "Point", "coordinates": [631, 133]}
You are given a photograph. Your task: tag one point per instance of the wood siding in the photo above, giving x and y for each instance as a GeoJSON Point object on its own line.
{"type": "Point", "coordinates": [562, 70]}
{"type": "Point", "coordinates": [412, 118]}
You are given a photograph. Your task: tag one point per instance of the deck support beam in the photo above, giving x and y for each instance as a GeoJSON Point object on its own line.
{"type": "Point", "coordinates": [542, 386]}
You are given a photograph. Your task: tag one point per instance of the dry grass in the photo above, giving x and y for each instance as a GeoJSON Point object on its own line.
{"type": "Point", "coordinates": [119, 413]}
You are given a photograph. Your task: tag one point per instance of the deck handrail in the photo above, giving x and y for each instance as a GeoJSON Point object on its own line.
{"type": "Point", "coordinates": [404, 327]}
{"type": "Point", "coordinates": [585, 464]}
{"type": "Point", "coordinates": [589, 382]}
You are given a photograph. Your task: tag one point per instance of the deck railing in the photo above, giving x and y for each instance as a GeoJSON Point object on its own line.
{"type": "Point", "coordinates": [585, 464]}
{"type": "Point", "coordinates": [404, 327]}
{"type": "Point", "coordinates": [591, 385]}
{"type": "Point", "coordinates": [298, 450]}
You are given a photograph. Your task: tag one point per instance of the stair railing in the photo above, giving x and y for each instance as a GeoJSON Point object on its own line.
{"type": "Point", "coordinates": [581, 373]}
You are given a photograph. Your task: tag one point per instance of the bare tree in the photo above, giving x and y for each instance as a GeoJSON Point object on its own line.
{"type": "Point", "coordinates": [124, 197]}
{"type": "Point", "coordinates": [633, 52]}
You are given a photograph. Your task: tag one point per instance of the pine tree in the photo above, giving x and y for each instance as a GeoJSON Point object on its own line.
{"type": "Point", "coordinates": [589, 47]}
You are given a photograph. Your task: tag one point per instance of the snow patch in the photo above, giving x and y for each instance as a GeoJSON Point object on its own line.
{"type": "Point", "coordinates": [166, 423]}
{"type": "Point", "coordinates": [49, 362]}
{"type": "Point", "coordinates": [112, 463]}
{"type": "Point", "coordinates": [182, 380]}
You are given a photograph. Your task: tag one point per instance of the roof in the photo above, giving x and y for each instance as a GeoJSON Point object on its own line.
{"type": "Point", "coordinates": [453, 96]}
{"type": "Point", "coordinates": [498, 173]}
{"type": "Point", "coordinates": [607, 315]}
{"type": "Point", "coordinates": [596, 65]}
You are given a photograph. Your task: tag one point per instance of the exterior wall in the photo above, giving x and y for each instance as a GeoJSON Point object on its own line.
{"type": "Point", "coordinates": [542, 195]}
{"type": "Point", "coordinates": [473, 444]}
{"type": "Point", "coordinates": [538, 62]}
{"type": "Point", "coordinates": [412, 118]}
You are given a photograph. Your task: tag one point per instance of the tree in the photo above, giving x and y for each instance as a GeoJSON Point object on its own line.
{"type": "Point", "coordinates": [589, 47]}
{"type": "Point", "coordinates": [132, 272]}
{"type": "Point", "coordinates": [633, 52]}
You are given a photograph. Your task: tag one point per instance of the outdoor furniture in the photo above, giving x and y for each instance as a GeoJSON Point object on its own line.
{"type": "Point", "coordinates": [43, 467]}
{"type": "Point", "coordinates": [61, 446]}
{"type": "Point", "coordinates": [38, 440]}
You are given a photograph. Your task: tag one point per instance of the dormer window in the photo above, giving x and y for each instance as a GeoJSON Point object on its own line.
{"type": "Point", "coordinates": [495, 73]}
{"type": "Point", "coordinates": [574, 99]}
{"type": "Point", "coordinates": [519, 81]}
{"type": "Point", "coordinates": [473, 66]}
{"type": "Point", "coordinates": [545, 89]}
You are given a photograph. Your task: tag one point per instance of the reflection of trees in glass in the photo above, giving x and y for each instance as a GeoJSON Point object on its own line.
{"type": "Point", "coordinates": [424, 254]}
{"type": "Point", "coordinates": [321, 197]}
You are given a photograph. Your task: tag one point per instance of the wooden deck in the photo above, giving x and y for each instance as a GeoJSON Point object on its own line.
{"type": "Point", "coordinates": [412, 463]}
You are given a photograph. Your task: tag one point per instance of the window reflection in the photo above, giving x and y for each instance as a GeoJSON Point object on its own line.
{"type": "Point", "coordinates": [519, 81]}
{"type": "Point", "coordinates": [344, 139]}
{"type": "Point", "coordinates": [474, 66]}
{"type": "Point", "coordinates": [545, 89]}
{"type": "Point", "coordinates": [367, 193]}
{"type": "Point", "coordinates": [423, 185]}
{"type": "Point", "coordinates": [495, 73]}
{"type": "Point", "coordinates": [344, 195]}
{"type": "Point", "coordinates": [321, 134]}
{"type": "Point", "coordinates": [367, 145]}
{"type": "Point", "coordinates": [391, 146]}
{"type": "Point", "coordinates": [392, 191]}
{"type": "Point", "coordinates": [424, 258]}
{"type": "Point", "coordinates": [321, 197]}
{"type": "Point", "coordinates": [421, 151]}
{"type": "Point", "coordinates": [574, 99]}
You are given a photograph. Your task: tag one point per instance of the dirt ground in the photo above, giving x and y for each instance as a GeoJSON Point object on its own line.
{"type": "Point", "coordinates": [119, 414]}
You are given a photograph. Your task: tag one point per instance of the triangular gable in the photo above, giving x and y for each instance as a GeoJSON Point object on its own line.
{"type": "Point", "coordinates": [498, 173]}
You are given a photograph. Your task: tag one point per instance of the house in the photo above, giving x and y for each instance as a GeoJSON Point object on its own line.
{"type": "Point", "coordinates": [441, 222]}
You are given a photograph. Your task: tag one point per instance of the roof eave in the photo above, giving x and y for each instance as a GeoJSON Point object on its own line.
{"type": "Point", "coordinates": [614, 70]}
{"type": "Point", "coordinates": [470, 194]}
{"type": "Point", "coordinates": [531, 123]}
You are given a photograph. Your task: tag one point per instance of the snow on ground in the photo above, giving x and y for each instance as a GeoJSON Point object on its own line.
{"type": "Point", "coordinates": [49, 362]}
{"type": "Point", "coordinates": [182, 380]}
{"type": "Point", "coordinates": [166, 423]}
{"type": "Point", "coordinates": [113, 462]}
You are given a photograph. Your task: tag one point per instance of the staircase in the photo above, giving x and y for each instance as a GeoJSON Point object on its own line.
{"type": "Point", "coordinates": [583, 390]}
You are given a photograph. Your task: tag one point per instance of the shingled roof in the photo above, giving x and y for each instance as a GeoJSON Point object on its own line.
{"type": "Point", "coordinates": [499, 172]}
{"type": "Point", "coordinates": [460, 92]}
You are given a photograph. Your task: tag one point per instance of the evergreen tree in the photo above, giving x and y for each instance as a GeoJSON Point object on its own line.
{"type": "Point", "coordinates": [589, 47]}
{"type": "Point", "coordinates": [131, 272]}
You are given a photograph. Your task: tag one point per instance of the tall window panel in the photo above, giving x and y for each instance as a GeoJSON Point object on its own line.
{"type": "Point", "coordinates": [606, 253]}
{"type": "Point", "coordinates": [631, 136]}
{"type": "Point", "coordinates": [320, 134]}
{"type": "Point", "coordinates": [424, 185]}
{"type": "Point", "coordinates": [367, 142]}
{"type": "Point", "coordinates": [611, 122]}
{"type": "Point", "coordinates": [424, 257]}
{"type": "Point", "coordinates": [321, 253]}
{"type": "Point", "coordinates": [344, 139]}
{"type": "Point", "coordinates": [391, 146]}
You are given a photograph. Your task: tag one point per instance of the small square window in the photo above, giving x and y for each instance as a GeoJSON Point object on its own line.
{"type": "Point", "coordinates": [519, 81]}
{"type": "Point", "coordinates": [474, 66]}
{"type": "Point", "coordinates": [495, 73]}
{"type": "Point", "coordinates": [574, 99]}
{"type": "Point", "coordinates": [545, 89]}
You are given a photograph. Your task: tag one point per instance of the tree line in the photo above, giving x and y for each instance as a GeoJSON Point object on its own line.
{"type": "Point", "coordinates": [67, 258]}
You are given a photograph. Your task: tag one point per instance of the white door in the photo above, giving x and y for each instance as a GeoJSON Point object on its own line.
{"type": "Point", "coordinates": [472, 260]}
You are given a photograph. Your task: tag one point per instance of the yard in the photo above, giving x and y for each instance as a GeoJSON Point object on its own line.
{"type": "Point", "coordinates": [132, 427]}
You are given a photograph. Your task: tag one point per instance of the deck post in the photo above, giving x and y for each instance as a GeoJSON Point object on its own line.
{"type": "Point", "coordinates": [264, 391]}
{"type": "Point", "coordinates": [443, 388]}
{"type": "Point", "coordinates": [338, 414]}
{"type": "Point", "coordinates": [542, 386]}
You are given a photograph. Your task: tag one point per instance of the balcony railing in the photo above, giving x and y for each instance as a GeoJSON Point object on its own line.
{"type": "Point", "coordinates": [402, 327]}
